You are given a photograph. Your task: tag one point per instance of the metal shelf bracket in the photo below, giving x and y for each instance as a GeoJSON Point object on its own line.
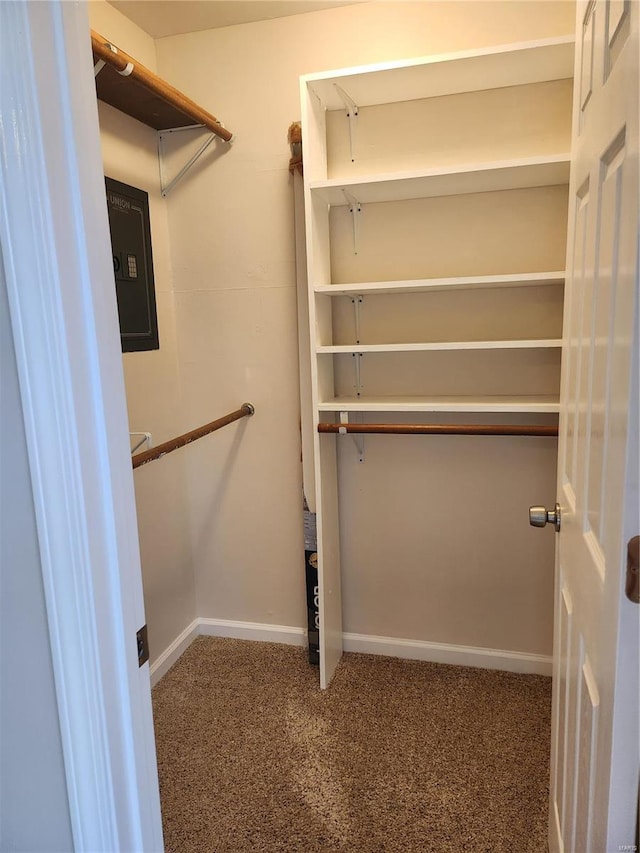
{"type": "Point", "coordinates": [165, 188]}
{"type": "Point", "coordinates": [357, 301]}
{"type": "Point", "coordinates": [352, 114]}
{"type": "Point", "coordinates": [358, 381]}
{"type": "Point", "coordinates": [355, 209]}
{"type": "Point", "coordinates": [358, 440]}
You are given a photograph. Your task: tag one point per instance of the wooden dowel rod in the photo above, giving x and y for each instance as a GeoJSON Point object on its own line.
{"type": "Point", "coordinates": [122, 62]}
{"type": "Point", "coordinates": [440, 429]}
{"type": "Point", "coordinates": [139, 459]}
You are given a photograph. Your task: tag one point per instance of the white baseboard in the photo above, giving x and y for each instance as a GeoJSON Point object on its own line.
{"type": "Point", "coordinates": [171, 654]}
{"type": "Point", "coordinates": [370, 645]}
{"type": "Point", "coordinates": [252, 631]}
{"type": "Point", "coordinates": [444, 653]}
{"type": "Point", "coordinates": [223, 628]}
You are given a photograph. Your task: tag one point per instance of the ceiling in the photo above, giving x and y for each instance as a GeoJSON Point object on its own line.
{"type": "Point", "coordinates": [162, 18]}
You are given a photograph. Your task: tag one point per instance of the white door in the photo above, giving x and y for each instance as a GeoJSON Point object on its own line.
{"type": "Point", "coordinates": [595, 736]}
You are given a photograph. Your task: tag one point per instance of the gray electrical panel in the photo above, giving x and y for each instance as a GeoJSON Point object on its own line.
{"type": "Point", "coordinates": [132, 266]}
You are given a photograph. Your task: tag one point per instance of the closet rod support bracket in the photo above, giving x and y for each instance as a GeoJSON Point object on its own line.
{"type": "Point", "coordinates": [165, 188]}
{"type": "Point", "coordinates": [358, 440]}
{"type": "Point", "coordinates": [146, 439]}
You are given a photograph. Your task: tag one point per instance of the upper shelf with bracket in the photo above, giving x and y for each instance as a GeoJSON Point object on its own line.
{"type": "Point", "coordinates": [473, 178]}
{"type": "Point", "coordinates": [135, 90]}
{"type": "Point", "coordinates": [446, 74]}
{"type": "Point", "coordinates": [425, 285]}
{"type": "Point", "coordinates": [513, 79]}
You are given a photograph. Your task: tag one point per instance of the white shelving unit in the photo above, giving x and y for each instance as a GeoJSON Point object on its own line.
{"type": "Point", "coordinates": [435, 195]}
{"type": "Point", "coordinates": [434, 284]}
{"type": "Point", "coordinates": [443, 404]}
{"type": "Point", "coordinates": [430, 183]}
{"type": "Point", "coordinates": [442, 345]}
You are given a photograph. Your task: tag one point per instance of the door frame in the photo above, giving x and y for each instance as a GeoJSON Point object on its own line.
{"type": "Point", "coordinates": [56, 249]}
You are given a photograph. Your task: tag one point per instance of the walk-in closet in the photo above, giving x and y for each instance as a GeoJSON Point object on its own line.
{"type": "Point", "coordinates": [374, 323]}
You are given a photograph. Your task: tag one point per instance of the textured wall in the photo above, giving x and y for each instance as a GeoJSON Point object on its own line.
{"type": "Point", "coordinates": [231, 226]}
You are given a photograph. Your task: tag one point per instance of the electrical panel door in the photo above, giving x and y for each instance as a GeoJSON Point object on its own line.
{"type": "Point", "coordinates": [132, 265]}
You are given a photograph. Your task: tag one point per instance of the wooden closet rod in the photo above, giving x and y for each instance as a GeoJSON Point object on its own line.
{"type": "Point", "coordinates": [129, 67]}
{"type": "Point", "coordinates": [139, 459]}
{"type": "Point", "coordinates": [440, 429]}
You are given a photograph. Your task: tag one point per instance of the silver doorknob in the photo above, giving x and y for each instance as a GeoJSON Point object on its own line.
{"type": "Point", "coordinates": [539, 516]}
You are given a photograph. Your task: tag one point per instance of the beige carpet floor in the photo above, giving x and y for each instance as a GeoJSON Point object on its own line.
{"type": "Point", "coordinates": [396, 757]}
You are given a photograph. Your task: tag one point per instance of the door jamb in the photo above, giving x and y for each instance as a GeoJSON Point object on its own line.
{"type": "Point", "coordinates": [55, 244]}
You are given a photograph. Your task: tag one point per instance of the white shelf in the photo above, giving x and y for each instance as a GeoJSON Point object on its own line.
{"type": "Point", "coordinates": [550, 343]}
{"type": "Point", "coordinates": [447, 74]}
{"type": "Point", "coordinates": [424, 285]}
{"type": "Point", "coordinates": [532, 405]}
{"type": "Point", "coordinates": [429, 183]}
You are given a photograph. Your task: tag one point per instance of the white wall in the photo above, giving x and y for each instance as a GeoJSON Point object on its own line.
{"type": "Point", "coordinates": [231, 226]}
{"type": "Point", "coordinates": [34, 811]}
{"type": "Point", "coordinates": [129, 151]}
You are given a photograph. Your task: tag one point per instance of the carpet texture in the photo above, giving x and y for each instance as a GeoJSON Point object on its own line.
{"type": "Point", "coordinates": [396, 757]}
